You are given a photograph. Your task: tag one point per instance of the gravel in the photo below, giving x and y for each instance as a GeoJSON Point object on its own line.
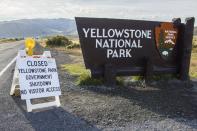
{"type": "Point", "coordinates": [163, 105]}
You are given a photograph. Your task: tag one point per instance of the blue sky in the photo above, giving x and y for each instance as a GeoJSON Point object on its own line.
{"type": "Point", "coordinates": [128, 9]}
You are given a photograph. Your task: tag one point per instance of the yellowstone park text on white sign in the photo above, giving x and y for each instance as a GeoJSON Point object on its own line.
{"type": "Point", "coordinates": [38, 77]}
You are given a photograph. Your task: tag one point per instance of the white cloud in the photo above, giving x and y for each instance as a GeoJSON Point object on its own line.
{"type": "Point", "coordinates": [132, 9]}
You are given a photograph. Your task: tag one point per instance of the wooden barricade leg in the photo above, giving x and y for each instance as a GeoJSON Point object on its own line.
{"type": "Point", "coordinates": [31, 106]}
{"type": "Point", "coordinates": [57, 100]}
{"type": "Point", "coordinates": [28, 103]}
{"type": "Point", "coordinates": [15, 81]}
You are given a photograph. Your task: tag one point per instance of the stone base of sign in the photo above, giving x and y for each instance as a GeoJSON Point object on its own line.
{"type": "Point", "coordinates": [15, 82]}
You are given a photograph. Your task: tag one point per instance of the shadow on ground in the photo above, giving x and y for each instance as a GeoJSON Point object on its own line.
{"type": "Point", "coordinates": [54, 119]}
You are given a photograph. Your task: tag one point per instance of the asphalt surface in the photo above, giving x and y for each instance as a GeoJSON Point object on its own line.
{"type": "Point", "coordinates": [8, 51]}
{"type": "Point", "coordinates": [13, 114]}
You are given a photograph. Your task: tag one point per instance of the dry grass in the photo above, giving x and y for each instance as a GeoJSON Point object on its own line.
{"type": "Point", "coordinates": [5, 40]}
{"type": "Point", "coordinates": [193, 65]}
{"type": "Point", "coordinates": [42, 42]}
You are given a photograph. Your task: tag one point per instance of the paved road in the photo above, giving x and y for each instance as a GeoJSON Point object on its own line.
{"type": "Point", "coordinates": [13, 115]}
{"type": "Point", "coordinates": [8, 51]}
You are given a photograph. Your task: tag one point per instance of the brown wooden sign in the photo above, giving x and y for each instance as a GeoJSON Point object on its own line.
{"type": "Point", "coordinates": [114, 47]}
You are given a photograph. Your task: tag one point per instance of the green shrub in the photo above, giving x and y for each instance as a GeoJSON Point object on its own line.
{"type": "Point", "coordinates": [74, 45]}
{"type": "Point", "coordinates": [58, 41]}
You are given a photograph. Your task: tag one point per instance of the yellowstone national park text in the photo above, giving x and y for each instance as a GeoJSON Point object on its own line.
{"type": "Point", "coordinates": [117, 42]}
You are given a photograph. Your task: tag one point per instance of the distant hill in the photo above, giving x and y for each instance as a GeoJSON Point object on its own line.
{"type": "Point", "coordinates": [40, 27]}
{"type": "Point", "coordinates": [195, 31]}
{"type": "Point", "coordinates": [37, 27]}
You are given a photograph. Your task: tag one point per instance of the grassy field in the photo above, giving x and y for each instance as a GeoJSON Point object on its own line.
{"type": "Point", "coordinates": [193, 65]}
{"type": "Point", "coordinates": [6, 40]}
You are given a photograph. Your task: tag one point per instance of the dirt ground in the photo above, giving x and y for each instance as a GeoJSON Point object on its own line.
{"type": "Point", "coordinates": [163, 105]}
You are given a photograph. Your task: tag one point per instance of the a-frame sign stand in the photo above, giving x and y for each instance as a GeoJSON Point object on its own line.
{"type": "Point", "coordinates": [15, 82]}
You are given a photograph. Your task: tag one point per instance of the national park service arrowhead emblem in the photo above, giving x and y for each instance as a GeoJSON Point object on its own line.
{"type": "Point", "coordinates": [166, 38]}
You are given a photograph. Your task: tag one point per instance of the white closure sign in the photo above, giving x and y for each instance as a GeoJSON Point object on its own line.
{"type": "Point", "coordinates": [38, 77]}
